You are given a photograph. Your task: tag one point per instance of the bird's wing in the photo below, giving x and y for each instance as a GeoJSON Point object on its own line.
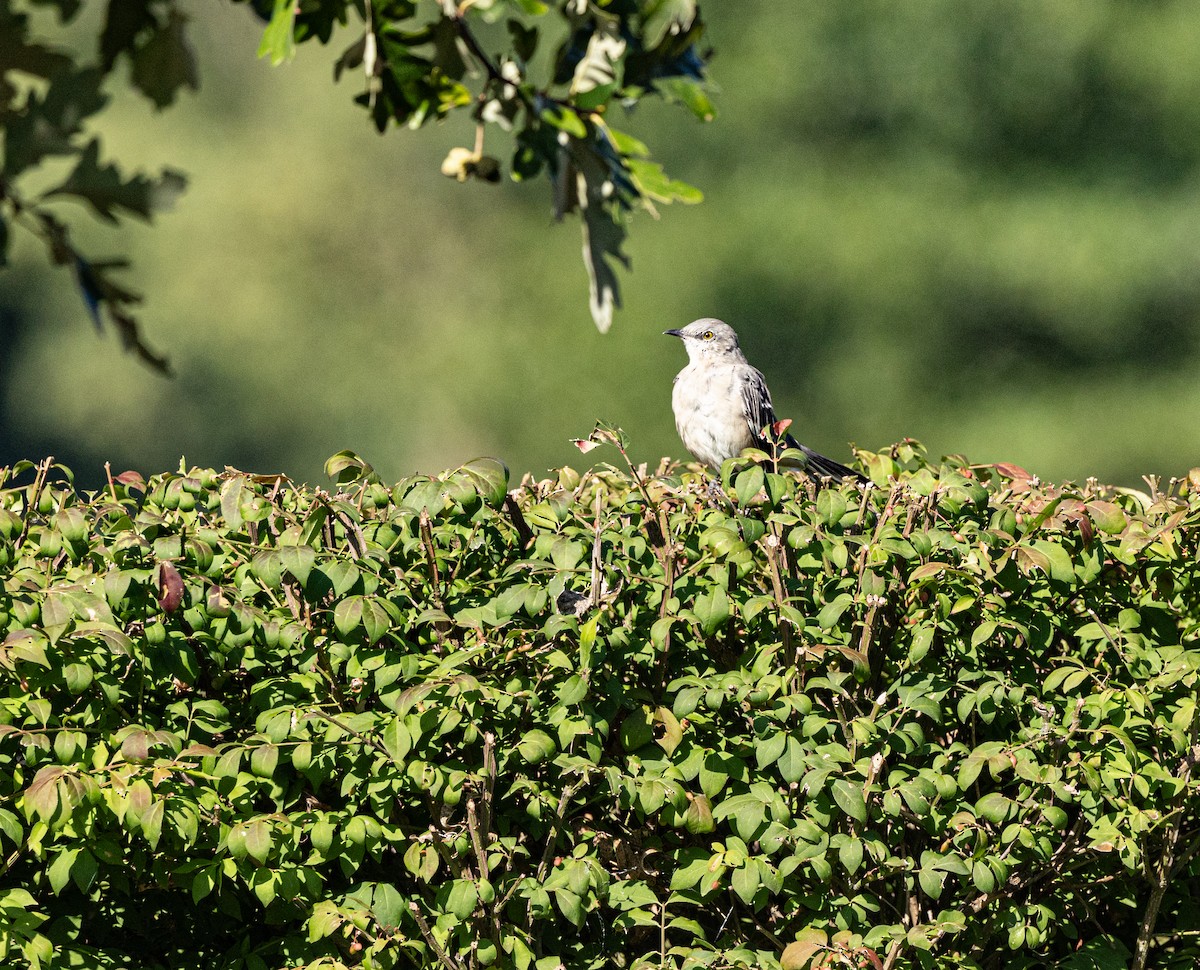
{"type": "Point", "coordinates": [756, 403]}
{"type": "Point", "coordinates": [760, 415]}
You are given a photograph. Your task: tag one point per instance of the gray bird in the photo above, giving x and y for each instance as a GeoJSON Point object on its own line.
{"type": "Point", "coordinates": [722, 404]}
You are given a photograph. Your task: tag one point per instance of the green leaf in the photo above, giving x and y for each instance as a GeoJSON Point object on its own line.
{"type": "Point", "coordinates": [747, 811]}
{"type": "Point", "coordinates": [637, 729]}
{"type": "Point", "coordinates": [462, 898]}
{"type": "Point", "coordinates": [745, 882]}
{"type": "Point", "coordinates": [263, 760]}
{"type": "Point", "coordinates": [536, 746]}
{"type": "Point", "coordinates": [573, 690]}
{"type": "Point", "coordinates": [325, 920]}
{"type": "Point", "coordinates": [690, 94]}
{"type": "Point", "coordinates": [922, 640]}
{"type": "Point", "coordinates": [1061, 567]}
{"type": "Point", "coordinates": [832, 611]}
{"type": "Point", "coordinates": [258, 839]}
{"type": "Point", "coordinates": [297, 560]}
{"type": "Point", "coordinates": [83, 872]}
{"type": "Point", "coordinates": [931, 882]}
{"type": "Point", "coordinates": [654, 183]}
{"type": "Point", "coordinates": [264, 883]}
{"type": "Point", "coordinates": [278, 39]}
{"type": "Point", "coordinates": [152, 823]}
{"type": "Point", "coordinates": [59, 871]}
{"type": "Point", "coordinates": [234, 493]}
{"type": "Point", "coordinates": [851, 855]}
{"type": "Point", "coordinates": [387, 905]}
{"type": "Point", "coordinates": [103, 188]}
{"type": "Point", "coordinates": [983, 633]}
{"type": "Point", "coordinates": [348, 616]}
{"type": "Point", "coordinates": [748, 484]}
{"type": "Point", "coordinates": [686, 876]}
{"type": "Point", "coordinates": [342, 575]}
{"type": "Point", "coordinates": [27, 645]}
{"type": "Point", "coordinates": [587, 640]}
{"type": "Point", "coordinates": [78, 677]}
{"type": "Point", "coordinates": [375, 619]}
{"type": "Point", "coordinates": [712, 610]}
{"type": "Point", "coordinates": [565, 119]}
{"type": "Point", "coordinates": [831, 506]}
{"type": "Point", "coordinates": [849, 799]}
{"type": "Point", "coordinates": [770, 749]}
{"type": "Point", "coordinates": [397, 740]}
{"type": "Point", "coordinates": [791, 763]}
{"type": "Point", "coordinates": [983, 877]}
{"type": "Point", "coordinates": [994, 807]}
{"type": "Point", "coordinates": [490, 477]}
{"type": "Point", "coordinates": [10, 825]}
{"type": "Point", "coordinates": [322, 833]}
{"type": "Point", "coordinates": [267, 566]}
{"type": "Point", "coordinates": [166, 63]}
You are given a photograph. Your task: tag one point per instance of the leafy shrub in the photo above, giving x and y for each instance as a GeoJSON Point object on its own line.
{"type": "Point", "coordinates": [598, 721]}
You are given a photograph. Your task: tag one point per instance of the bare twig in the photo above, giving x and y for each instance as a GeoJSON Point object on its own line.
{"type": "Point", "coordinates": [35, 495]}
{"type": "Point", "coordinates": [477, 843]}
{"type": "Point", "coordinates": [556, 827]}
{"type": "Point", "coordinates": [893, 954]}
{"type": "Point", "coordinates": [594, 592]}
{"type": "Point", "coordinates": [1160, 879]}
{"type": "Point", "coordinates": [443, 957]}
{"type": "Point", "coordinates": [435, 578]}
{"type": "Point", "coordinates": [524, 533]}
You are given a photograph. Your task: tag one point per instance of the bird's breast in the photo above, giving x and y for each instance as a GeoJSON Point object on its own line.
{"type": "Point", "coordinates": [710, 413]}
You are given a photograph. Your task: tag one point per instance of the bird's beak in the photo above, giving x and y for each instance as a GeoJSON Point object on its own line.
{"type": "Point", "coordinates": [672, 333]}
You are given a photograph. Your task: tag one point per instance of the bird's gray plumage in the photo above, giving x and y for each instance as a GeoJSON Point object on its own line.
{"type": "Point", "coordinates": [722, 405]}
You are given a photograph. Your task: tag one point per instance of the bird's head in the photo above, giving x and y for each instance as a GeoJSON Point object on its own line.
{"type": "Point", "coordinates": [707, 339]}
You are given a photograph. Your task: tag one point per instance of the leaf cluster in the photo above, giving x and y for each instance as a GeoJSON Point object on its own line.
{"type": "Point", "coordinates": [46, 96]}
{"type": "Point", "coordinates": [607, 719]}
{"type": "Point", "coordinates": [419, 62]}
{"type": "Point", "coordinates": [560, 72]}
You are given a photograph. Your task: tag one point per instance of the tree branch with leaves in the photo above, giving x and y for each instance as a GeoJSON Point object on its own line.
{"type": "Point", "coordinates": [546, 78]}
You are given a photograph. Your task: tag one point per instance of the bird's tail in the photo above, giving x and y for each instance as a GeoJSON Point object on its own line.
{"type": "Point", "coordinates": [818, 466]}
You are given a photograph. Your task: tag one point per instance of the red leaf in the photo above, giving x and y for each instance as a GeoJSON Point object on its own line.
{"type": "Point", "coordinates": [170, 588]}
{"type": "Point", "coordinates": [1015, 472]}
{"type": "Point", "coordinates": [131, 480]}
{"type": "Point", "coordinates": [779, 428]}
{"type": "Point", "coordinates": [585, 444]}
{"type": "Point", "coordinates": [136, 746]}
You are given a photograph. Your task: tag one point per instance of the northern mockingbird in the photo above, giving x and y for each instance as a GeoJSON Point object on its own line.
{"type": "Point", "coordinates": [722, 404]}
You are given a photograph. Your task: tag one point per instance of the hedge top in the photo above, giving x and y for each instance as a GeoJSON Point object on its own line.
{"type": "Point", "coordinates": [598, 720]}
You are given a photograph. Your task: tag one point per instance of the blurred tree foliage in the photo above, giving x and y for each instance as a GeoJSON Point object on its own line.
{"type": "Point", "coordinates": [421, 61]}
{"type": "Point", "coordinates": [973, 224]}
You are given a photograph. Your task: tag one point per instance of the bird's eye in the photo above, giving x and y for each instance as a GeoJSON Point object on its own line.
{"type": "Point", "coordinates": [708, 335]}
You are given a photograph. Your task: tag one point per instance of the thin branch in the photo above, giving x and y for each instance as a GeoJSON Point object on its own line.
{"type": "Point", "coordinates": [443, 957]}
{"type": "Point", "coordinates": [39, 483]}
{"type": "Point", "coordinates": [1161, 879]}
{"type": "Point", "coordinates": [893, 954]}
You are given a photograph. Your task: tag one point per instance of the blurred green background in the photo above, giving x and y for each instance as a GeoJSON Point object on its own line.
{"type": "Point", "coordinates": [975, 224]}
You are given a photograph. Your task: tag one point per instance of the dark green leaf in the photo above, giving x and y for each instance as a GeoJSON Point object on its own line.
{"type": "Point", "coordinates": [103, 188]}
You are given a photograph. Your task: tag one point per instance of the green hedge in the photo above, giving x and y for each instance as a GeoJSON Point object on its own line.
{"type": "Point", "coordinates": [603, 720]}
